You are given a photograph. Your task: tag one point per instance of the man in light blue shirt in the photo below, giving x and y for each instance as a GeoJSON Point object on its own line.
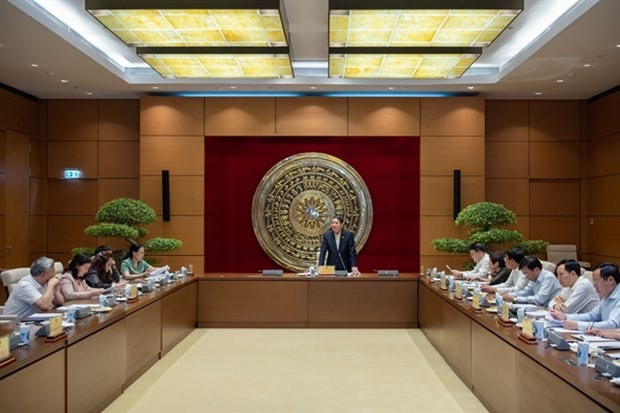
{"type": "Point", "coordinates": [542, 286]}
{"type": "Point", "coordinates": [606, 278]}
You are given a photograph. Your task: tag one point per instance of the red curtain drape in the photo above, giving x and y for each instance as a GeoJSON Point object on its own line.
{"type": "Point", "coordinates": [234, 166]}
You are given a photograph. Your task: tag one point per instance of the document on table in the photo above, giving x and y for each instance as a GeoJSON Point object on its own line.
{"type": "Point", "coordinates": [591, 339]}
{"type": "Point", "coordinates": [42, 316]}
{"type": "Point", "coordinates": [161, 270]}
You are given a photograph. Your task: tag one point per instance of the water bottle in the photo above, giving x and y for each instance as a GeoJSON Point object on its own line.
{"type": "Point", "coordinates": [583, 353]}
{"type": "Point", "coordinates": [24, 333]}
{"type": "Point", "coordinates": [71, 315]}
{"type": "Point", "coordinates": [127, 290]}
{"type": "Point", "coordinates": [520, 314]}
{"type": "Point", "coordinates": [540, 329]}
{"type": "Point", "coordinates": [312, 271]}
{"type": "Point", "coordinates": [102, 300]}
{"type": "Point", "coordinates": [183, 272]}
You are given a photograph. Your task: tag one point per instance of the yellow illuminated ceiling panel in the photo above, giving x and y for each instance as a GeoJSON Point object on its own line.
{"type": "Point", "coordinates": [400, 66]}
{"type": "Point", "coordinates": [417, 28]}
{"type": "Point", "coordinates": [177, 28]}
{"type": "Point", "coordinates": [208, 66]}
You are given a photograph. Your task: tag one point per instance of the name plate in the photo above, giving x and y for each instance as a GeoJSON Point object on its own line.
{"type": "Point", "coordinates": [327, 269]}
{"type": "Point", "coordinates": [458, 290]}
{"type": "Point", "coordinates": [476, 301]}
{"type": "Point", "coordinates": [133, 291]}
{"type": "Point", "coordinates": [5, 347]}
{"type": "Point", "coordinates": [442, 282]}
{"type": "Point", "coordinates": [527, 327]}
{"type": "Point", "coordinates": [505, 312]}
{"type": "Point", "coordinates": [55, 326]}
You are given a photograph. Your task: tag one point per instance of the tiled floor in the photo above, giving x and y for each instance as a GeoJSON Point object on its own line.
{"type": "Point", "coordinates": [300, 370]}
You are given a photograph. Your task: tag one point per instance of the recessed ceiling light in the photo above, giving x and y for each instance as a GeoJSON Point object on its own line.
{"type": "Point", "coordinates": [471, 87]}
{"type": "Point", "coordinates": [560, 81]}
{"type": "Point", "coordinates": [233, 87]}
{"type": "Point", "coordinates": [155, 87]}
{"type": "Point", "coordinates": [538, 93]}
{"type": "Point", "coordinates": [391, 88]}
{"type": "Point", "coordinates": [64, 81]}
{"type": "Point", "coordinates": [587, 65]}
{"type": "Point", "coordinates": [313, 87]}
{"type": "Point", "coordinates": [34, 65]}
{"type": "Point", "coordinates": [89, 93]}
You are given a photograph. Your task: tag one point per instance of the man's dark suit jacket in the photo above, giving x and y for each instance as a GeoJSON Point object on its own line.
{"type": "Point", "coordinates": [344, 258]}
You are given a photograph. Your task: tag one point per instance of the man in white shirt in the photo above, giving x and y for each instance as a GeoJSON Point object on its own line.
{"type": "Point", "coordinates": [578, 295]}
{"type": "Point", "coordinates": [38, 291]}
{"type": "Point", "coordinates": [542, 286]}
{"type": "Point", "coordinates": [478, 253]}
{"type": "Point", "coordinates": [516, 281]}
{"type": "Point", "coordinates": [606, 315]}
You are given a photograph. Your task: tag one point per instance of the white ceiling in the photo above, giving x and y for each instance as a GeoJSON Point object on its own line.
{"type": "Point", "coordinates": [560, 54]}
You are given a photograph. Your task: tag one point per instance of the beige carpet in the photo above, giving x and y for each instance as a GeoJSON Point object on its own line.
{"type": "Point", "coordinates": [300, 370]}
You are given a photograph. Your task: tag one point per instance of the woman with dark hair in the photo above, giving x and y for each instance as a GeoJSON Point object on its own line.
{"type": "Point", "coordinates": [498, 272]}
{"type": "Point", "coordinates": [100, 273]}
{"type": "Point", "coordinates": [134, 266]}
{"type": "Point", "coordinates": [72, 284]}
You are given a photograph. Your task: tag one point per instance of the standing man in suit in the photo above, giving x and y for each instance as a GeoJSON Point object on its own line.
{"type": "Point", "coordinates": [339, 246]}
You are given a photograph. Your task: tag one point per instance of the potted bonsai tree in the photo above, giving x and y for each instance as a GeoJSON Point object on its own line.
{"type": "Point", "coordinates": [486, 220]}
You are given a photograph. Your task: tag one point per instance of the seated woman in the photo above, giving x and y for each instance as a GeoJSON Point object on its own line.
{"type": "Point", "coordinates": [134, 266]}
{"type": "Point", "coordinates": [498, 272]}
{"type": "Point", "coordinates": [72, 284]}
{"type": "Point", "coordinates": [100, 274]}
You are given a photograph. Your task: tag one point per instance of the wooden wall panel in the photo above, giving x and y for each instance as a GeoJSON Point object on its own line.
{"type": "Point", "coordinates": [311, 116]}
{"type": "Point", "coordinates": [119, 159]}
{"type": "Point", "coordinates": [67, 232]}
{"type": "Point", "coordinates": [514, 194]}
{"type": "Point", "coordinates": [3, 190]}
{"type": "Point", "coordinates": [3, 114]}
{"type": "Point", "coordinates": [240, 117]}
{"type": "Point", "coordinates": [555, 230]}
{"type": "Point", "coordinates": [384, 117]}
{"type": "Point", "coordinates": [80, 155]}
{"type": "Point", "coordinates": [601, 156]}
{"type": "Point", "coordinates": [603, 119]}
{"type": "Point", "coordinates": [438, 227]}
{"type": "Point", "coordinates": [190, 230]}
{"type": "Point", "coordinates": [507, 159]}
{"type": "Point", "coordinates": [38, 158]}
{"type": "Point", "coordinates": [603, 197]}
{"type": "Point", "coordinates": [507, 120]}
{"type": "Point", "coordinates": [464, 153]}
{"type": "Point", "coordinates": [3, 239]}
{"type": "Point", "coordinates": [72, 120]}
{"type": "Point", "coordinates": [109, 189]}
{"type": "Point", "coordinates": [38, 196]}
{"type": "Point", "coordinates": [452, 117]}
{"type": "Point", "coordinates": [3, 152]}
{"type": "Point", "coordinates": [557, 120]}
{"type": "Point", "coordinates": [603, 236]}
{"type": "Point", "coordinates": [119, 120]}
{"type": "Point", "coordinates": [72, 197]}
{"type": "Point", "coordinates": [437, 193]}
{"type": "Point", "coordinates": [171, 116]}
{"type": "Point", "coordinates": [38, 234]}
{"type": "Point", "coordinates": [20, 114]}
{"type": "Point", "coordinates": [555, 197]}
{"type": "Point", "coordinates": [186, 194]}
{"type": "Point", "coordinates": [553, 160]}
{"type": "Point", "coordinates": [181, 155]}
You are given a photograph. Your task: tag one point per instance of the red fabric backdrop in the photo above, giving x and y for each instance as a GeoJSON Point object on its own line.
{"type": "Point", "coordinates": [234, 166]}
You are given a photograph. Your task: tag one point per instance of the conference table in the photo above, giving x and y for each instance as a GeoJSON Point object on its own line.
{"type": "Point", "coordinates": [505, 373]}
{"type": "Point", "coordinates": [104, 353]}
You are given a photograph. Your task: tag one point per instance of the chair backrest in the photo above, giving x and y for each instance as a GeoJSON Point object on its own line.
{"type": "Point", "coordinates": [558, 252]}
{"type": "Point", "coordinates": [58, 268]}
{"type": "Point", "coordinates": [549, 266]}
{"type": "Point", "coordinates": [587, 274]}
{"type": "Point", "coordinates": [10, 278]}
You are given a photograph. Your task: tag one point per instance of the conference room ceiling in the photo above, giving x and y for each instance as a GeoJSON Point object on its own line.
{"type": "Point", "coordinates": [577, 58]}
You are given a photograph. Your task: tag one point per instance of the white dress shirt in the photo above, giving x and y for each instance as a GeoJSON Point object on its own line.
{"type": "Point", "coordinates": [481, 270]}
{"type": "Point", "coordinates": [580, 298]}
{"type": "Point", "coordinates": [515, 282]}
{"type": "Point", "coordinates": [605, 315]}
{"type": "Point", "coordinates": [541, 291]}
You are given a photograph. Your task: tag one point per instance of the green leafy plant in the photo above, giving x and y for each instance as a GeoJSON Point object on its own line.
{"type": "Point", "coordinates": [485, 220]}
{"type": "Point", "coordinates": [123, 218]}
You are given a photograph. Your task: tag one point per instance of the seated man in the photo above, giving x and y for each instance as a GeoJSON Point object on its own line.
{"type": "Point", "coordinates": [35, 292]}
{"type": "Point", "coordinates": [478, 253]}
{"type": "Point", "coordinates": [516, 280]}
{"type": "Point", "coordinates": [542, 286]}
{"type": "Point", "coordinates": [606, 315]}
{"type": "Point", "coordinates": [578, 295]}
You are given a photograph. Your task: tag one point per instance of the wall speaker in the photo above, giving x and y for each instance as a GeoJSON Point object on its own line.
{"type": "Point", "coordinates": [165, 194]}
{"type": "Point", "coordinates": [456, 179]}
